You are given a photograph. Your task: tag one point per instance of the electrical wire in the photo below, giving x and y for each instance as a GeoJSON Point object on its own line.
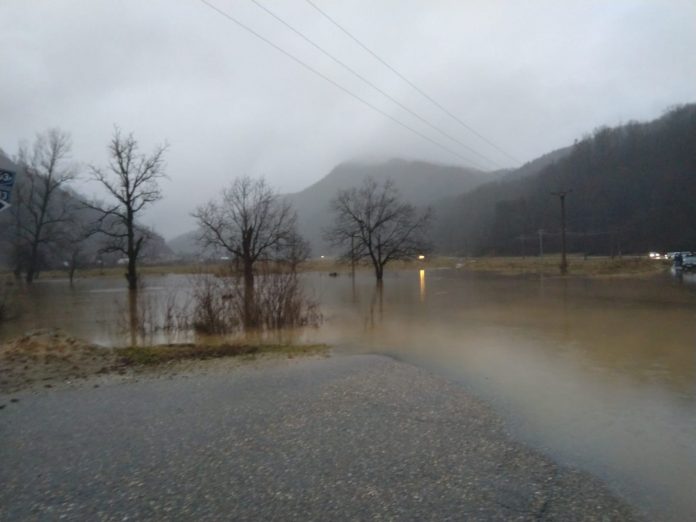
{"type": "Point", "coordinates": [338, 85]}
{"type": "Point", "coordinates": [413, 86]}
{"type": "Point", "coordinates": [371, 84]}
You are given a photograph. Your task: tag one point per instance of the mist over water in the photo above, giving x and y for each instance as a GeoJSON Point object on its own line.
{"type": "Point", "coordinates": [600, 373]}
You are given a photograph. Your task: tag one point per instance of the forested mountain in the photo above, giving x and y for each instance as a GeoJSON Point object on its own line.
{"type": "Point", "coordinates": [633, 190]}
{"type": "Point", "coordinates": [188, 246]}
{"type": "Point", "coordinates": [419, 182]}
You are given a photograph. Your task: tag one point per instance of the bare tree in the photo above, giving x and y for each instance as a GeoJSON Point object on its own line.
{"type": "Point", "coordinates": [72, 246]}
{"type": "Point", "coordinates": [252, 223]}
{"type": "Point", "coordinates": [371, 222]}
{"type": "Point", "coordinates": [132, 181]}
{"type": "Point", "coordinates": [42, 206]}
{"type": "Point", "coordinates": [296, 251]}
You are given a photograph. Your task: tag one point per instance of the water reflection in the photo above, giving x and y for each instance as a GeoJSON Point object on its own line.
{"type": "Point", "coordinates": [376, 311]}
{"type": "Point", "coordinates": [421, 274]}
{"type": "Point", "coordinates": [599, 372]}
{"type": "Point", "coordinates": [133, 317]}
{"type": "Point", "coordinates": [602, 373]}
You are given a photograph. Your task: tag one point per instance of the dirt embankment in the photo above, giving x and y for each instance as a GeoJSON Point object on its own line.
{"type": "Point", "coordinates": [48, 357]}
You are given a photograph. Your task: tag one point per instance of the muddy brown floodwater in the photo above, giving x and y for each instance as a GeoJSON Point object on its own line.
{"type": "Point", "coordinates": [598, 373]}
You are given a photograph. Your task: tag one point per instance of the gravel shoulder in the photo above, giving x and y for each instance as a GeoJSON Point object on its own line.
{"type": "Point", "coordinates": [338, 438]}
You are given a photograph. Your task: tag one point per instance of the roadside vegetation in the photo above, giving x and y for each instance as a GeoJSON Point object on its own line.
{"type": "Point", "coordinates": [47, 358]}
{"type": "Point", "coordinates": [153, 355]}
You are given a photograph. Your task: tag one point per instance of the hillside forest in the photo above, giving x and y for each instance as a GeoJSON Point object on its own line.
{"type": "Point", "coordinates": [630, 189]}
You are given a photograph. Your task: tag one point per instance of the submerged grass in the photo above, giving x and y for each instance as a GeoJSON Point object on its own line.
{"type": "Point", "coordinates": [508, 265]}
{"type": "Point", "coordinates": [577, 265]}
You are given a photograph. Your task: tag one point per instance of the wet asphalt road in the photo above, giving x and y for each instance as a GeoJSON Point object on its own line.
{"type": "Point", "coordinates": [340, 438]}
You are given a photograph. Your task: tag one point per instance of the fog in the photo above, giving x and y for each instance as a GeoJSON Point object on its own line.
{"type": "Point", "coordinates": [530, 77]}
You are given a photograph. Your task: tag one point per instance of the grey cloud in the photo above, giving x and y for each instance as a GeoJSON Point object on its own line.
{"type": "Point", "coordinates": [532, 76]}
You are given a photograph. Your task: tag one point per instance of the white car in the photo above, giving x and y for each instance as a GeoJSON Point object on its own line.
{"type": "Point", "coordinates": [689, 261]}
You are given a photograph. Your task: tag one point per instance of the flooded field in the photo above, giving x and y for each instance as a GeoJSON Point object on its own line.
{"type": "Point", "coordinates": [599, 373]}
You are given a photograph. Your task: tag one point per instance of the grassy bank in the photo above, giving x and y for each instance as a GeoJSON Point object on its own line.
{"type": "Point", "coordinates": [153, 355]}
{"type": "Point", "coordinates": [51, 357]}
{"type": "Point", "coordinates": [577, 265]}
{"type": "Point", "coordinates": [549, 265]}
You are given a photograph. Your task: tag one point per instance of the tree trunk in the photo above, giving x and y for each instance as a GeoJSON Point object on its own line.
{"type": "Point", "coordinates": [131, 274]}
{"type": "Point", "coordinates": [133, 316]}
{"type": "Point", "coordinates": [30, 275]}
{"type": "Point", "coordinates": [379, 272]}
{"type": "Point", "coordinates": [250, 319]}
{"type": "Point", "coordinates": [31, 267]}
{"type": "Point", "coordinates": [33, 260]}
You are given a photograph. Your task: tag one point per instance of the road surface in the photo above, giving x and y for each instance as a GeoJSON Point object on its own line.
{"type": "Point", "coordinates": [338, 438]}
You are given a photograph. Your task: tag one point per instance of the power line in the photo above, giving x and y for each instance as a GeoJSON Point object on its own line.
{"type": "Point", "coordinates": [371, 84]}
{"type": "Point", "coordinates": [336, 84]}
{"type": "Point", "coordinates": [414, 86]}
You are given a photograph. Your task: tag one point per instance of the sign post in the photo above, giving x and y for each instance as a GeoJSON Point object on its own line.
{"type": "Point", "coordinates": [7, 180]}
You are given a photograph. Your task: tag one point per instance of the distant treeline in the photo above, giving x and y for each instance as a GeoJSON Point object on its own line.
{"type": "Point", "coordinates": [633, 190]}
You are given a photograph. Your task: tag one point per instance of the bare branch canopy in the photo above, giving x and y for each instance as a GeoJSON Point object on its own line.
{"type": "Point", "coordinates": [371, 222]}
{"type": "Point", "coordinates": [131, 180]}
{"type": "Point", "coordinates": [252, 223]}
{"type": "Point", "coordinates": [42, 211]}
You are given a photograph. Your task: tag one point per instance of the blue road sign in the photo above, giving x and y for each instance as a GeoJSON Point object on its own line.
{"type": "Point", "coordinates": [7, 179]}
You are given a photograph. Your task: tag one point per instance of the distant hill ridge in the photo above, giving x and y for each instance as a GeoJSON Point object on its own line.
{"type": "Point", "coordinates": [419, 182]}
{"type": "Point", "coordinates": [633, 190]}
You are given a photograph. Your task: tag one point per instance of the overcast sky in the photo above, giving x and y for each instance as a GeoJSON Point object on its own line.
{"type": "Point", "coordinates": [530, 76]}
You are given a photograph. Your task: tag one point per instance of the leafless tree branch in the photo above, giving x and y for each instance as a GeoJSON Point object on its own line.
{"type": "Point", "coordinates": [42, 206]}
{"type": "Point", "coordinates": [132, 180]}
{"type": "Point", "coordinates": [371, 222]}
{"type": "Point", "coordinates": [252, 223]}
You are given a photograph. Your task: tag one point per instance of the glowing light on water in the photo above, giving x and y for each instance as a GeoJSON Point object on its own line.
{"type": "Point", "coordinates": [422, 284]}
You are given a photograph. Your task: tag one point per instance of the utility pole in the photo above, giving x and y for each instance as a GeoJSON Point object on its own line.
{"type": "Point", "coordinates": [541, 242]}
{"type": "Point", "coordinates": [564, 262]}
